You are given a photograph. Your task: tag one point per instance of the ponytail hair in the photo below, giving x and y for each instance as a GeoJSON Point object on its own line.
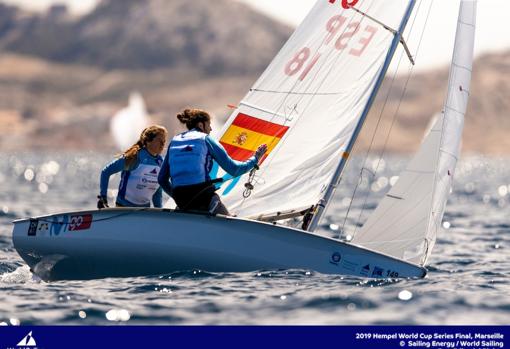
{"type": "Point", "coordinates": [191, 117]}
{"type": "Point", "coordinates": [146, 136]}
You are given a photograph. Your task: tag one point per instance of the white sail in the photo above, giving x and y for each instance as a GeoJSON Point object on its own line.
{"type": "Point", "coordinates": [406, 222]}
{"type": "Point", "coordinates": [307, 104]}
{"type": "Point", "coordinates": [127, 124]}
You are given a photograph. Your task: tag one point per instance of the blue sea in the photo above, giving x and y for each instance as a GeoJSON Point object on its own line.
{"type": "Point", "coordinates": [468, 280]}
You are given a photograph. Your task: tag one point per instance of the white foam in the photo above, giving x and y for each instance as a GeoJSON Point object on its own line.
{"type": "Point", "coordinates": [22, 275]}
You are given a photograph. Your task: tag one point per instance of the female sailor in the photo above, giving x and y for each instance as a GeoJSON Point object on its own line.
{"type": "Point", "coordinates": [189, 160]}
{"type": "Point", "coordinates": [140, 166]}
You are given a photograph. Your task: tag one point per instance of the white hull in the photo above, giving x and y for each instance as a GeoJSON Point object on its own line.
{"type": "Point", "coordinates": [132, 242]}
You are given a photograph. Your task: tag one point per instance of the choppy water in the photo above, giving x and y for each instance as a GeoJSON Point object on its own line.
{"type": "Point", "coordinates": [468, 280]}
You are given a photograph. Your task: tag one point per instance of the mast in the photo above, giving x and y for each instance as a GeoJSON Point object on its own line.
{"type": "Point", "coordinates": [330, 191]}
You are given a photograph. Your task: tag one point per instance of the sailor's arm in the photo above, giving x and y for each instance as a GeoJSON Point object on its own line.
{"type": "Point", "coordinates": [231, 166]}
{"type": "Point", "coordinates": [114, 167]}
{"type": "Point", "coordinates": [157, 198]}
{"type": "Point", "coordinates": [164, 176]}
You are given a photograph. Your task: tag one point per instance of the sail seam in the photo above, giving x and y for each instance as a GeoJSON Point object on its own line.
{"type": "Point", "coordinates": [262, 109]}
{"type": "Point", "coordinates": [453, 109]}
{"type": "Point", "coordinates": [462, 67]}
{"type": "Point", "coordinates": [418, 171]}
{"type": "Point", "coordinates": [449, 153]}
{"type": "Point", "coordinates": [467, 24]}
{"type": "Point", "coordinates": [300, 93]}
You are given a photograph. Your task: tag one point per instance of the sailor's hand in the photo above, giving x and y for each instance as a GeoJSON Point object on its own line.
{"type": "Point", "coordinates": [261, 150]}
{"type": "Point", "coordinates": [102, 202]}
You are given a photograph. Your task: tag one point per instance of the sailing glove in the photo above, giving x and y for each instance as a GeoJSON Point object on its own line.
{"type": "Point", "coordinates": [102, 202]}
{"type": "Point", "coordinates": [261, 150]}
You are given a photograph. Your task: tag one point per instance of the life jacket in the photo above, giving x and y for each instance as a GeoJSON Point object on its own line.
{"type": "Point", "coordinates": [189, 159]}
{"type": "Point", "coordinates": [141, 183]}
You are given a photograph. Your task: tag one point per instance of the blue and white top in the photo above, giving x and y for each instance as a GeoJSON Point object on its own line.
{"type": "Point", "coordinates": [139, 183]}
{"type": "Point", "coordinates": [189, 160]}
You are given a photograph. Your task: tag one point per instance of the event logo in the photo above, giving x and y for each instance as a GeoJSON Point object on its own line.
{"type": "Point", "coordinates": [28, 342]}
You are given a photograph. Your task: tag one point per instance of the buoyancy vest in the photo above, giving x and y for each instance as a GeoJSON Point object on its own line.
{"type": "Point", "coordinates": [189, 159]}
{"type": "Point", "coordinates": [141, 183]}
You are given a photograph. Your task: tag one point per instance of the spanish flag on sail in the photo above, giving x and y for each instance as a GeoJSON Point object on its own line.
{"type": "Point", "coordinates": [246, 133]}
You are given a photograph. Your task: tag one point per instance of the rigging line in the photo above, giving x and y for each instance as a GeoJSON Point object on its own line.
{"type": "Point", "coordinates": [393, 31]}
{"type": "Point", "coordinates": [331, 51]}
{"type": "Point", "coordinates": [410, 73]}
{"type": "Point", "coordinates": [379, 121]}
{"type": "Point", "coordinates": [352, 199]}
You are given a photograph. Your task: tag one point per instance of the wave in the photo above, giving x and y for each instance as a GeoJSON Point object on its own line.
{"type": "Point", "coordinates": [21, 275]}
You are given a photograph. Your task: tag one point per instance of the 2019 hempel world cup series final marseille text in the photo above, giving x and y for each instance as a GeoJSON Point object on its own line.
{"type": "Point", "coordinates": [437, 340]}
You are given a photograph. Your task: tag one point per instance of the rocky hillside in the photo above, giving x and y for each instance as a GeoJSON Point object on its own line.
{"type": "Point", "coordinates": [62, 78]}
{"type": "Point", "coordinates": [213, 37]}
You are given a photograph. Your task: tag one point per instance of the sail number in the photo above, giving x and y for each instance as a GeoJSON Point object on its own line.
{"type": "Point", "coordinates": [342, 35]}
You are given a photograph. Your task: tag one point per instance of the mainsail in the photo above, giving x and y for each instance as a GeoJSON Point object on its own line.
{"type": "Point", "coordinates": [406, 222]}
{"type": "Point", "coordinates": [308, 104]}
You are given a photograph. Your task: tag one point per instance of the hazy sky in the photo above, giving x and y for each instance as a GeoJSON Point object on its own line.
{"type": "Point", "coordinates": [492, 32]}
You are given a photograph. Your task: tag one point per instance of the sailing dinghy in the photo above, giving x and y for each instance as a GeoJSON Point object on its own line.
{"type": "Point", "coordinates": [308, 107]}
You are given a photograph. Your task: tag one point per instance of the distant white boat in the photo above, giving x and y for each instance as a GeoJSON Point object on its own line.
{"type": "Point", "coordinates": [128, 123]}
{"type": "Point", "coordinates": [308, 107]}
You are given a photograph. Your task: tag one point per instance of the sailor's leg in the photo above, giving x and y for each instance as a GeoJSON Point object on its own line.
{"type": "Point", "coordinates": [217, 207]}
